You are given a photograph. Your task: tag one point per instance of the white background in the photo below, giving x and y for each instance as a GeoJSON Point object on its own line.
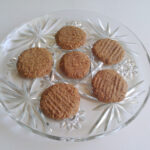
{"type": "Point", "coordinates": [133, 13]}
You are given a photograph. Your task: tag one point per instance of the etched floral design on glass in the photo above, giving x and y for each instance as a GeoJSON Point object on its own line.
{"type": "Point", "coordinates": [22, 101]}
{"type": "Point", "coordinates": [74, 122]}
{"type": "Point", "coordinates": [112, 111]}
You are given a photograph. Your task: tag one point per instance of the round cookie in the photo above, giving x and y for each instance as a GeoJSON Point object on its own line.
{"type": "Point", "coordinates": [34, 62]}
{"type": "Point", "coordinates": [75, 65]}
{"type": "Point", "coordinates": [60, 101]}
{"type": "Point", "coordinates": [108, 51]}
{"type": "Point", "coordinates": [109, 86]}
{"type": "Point", "coordinates": [70, 37]}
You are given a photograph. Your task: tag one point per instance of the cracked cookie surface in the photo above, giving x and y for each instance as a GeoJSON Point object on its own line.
{"type": "Point", "coordinates": [60, 101]}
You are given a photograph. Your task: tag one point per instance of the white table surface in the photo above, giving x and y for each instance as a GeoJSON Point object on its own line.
{"type": "Point", "coordinates": [134, 14]}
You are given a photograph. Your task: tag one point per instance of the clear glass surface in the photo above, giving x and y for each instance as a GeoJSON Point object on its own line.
{"type": "Point", "coordinates": [20, 97]}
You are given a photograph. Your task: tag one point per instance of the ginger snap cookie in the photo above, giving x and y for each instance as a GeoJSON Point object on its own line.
{"type": "Point", "coordinates": [109, 86]}
{"type": "Point", "coordinates": [70, 37]}
{"type": "Point", "coordinates": [60, 101]}
{"type": "Point", "coordinates": [75, 65]}
{"type": "Point", "coordinates": [108, 51]}
{"type": "Point", "coordinates": [34, 62]}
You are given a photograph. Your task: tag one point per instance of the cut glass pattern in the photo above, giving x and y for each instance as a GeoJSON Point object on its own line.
{"type": "Point", "coordinates": [22, 99]}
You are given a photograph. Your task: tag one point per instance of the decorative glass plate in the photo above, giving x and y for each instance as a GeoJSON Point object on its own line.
{"type": "Point", "coordinates": [20, 97]}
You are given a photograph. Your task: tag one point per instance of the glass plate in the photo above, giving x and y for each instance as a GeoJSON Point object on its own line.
{"type": "Point", "coordinates": [20, 97]}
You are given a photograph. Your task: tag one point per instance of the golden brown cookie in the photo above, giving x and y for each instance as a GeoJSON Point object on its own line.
{"type": "Point", "coordinates": [108, 51]}
{"type": "Point", "coordinates": [75, 65]}
{"type": "Point", "coordinates": [34, 62]}
{"type": "Point", "coordinates": [60, 101]}
{"type": "Point", "coordinates": [70, 37]}
{"type": "Point", "coordinates": [109, 86]}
